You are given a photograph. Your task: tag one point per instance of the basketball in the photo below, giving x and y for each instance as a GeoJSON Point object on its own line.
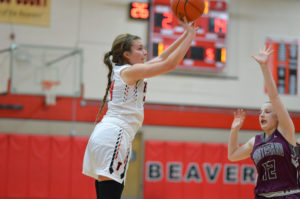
{"type": "Point", "coordinates": [191, 9]}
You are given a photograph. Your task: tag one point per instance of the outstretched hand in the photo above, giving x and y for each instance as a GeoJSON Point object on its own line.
{"type": "Point", "coordinates": [239, 117]}
{"type": "Point", "coordinates": [263, 56]}
{"type": "Point", "coordinates": [188, 26]}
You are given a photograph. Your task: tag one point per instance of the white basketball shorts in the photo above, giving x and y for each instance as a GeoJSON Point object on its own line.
{"type": "Point", "coordinates": [107, 152]}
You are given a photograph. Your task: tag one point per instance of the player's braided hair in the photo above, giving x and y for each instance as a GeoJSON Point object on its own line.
{"type": "Point", "coordinates": [121, 44]}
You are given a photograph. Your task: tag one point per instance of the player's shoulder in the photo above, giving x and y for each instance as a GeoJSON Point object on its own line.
{"type": "Point", "coordinates": [121, 67]}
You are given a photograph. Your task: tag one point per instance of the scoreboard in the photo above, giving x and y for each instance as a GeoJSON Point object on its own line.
{"type": "Point", "coordinates": [284, 64]}
{"type": "Point", "coordinates": [208, 50]}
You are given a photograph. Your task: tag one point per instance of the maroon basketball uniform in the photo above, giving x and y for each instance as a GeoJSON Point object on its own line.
{"type": "Point", "coordinates": [277, 164]}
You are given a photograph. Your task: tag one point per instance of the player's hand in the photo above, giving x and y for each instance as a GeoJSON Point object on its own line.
{"type": "Point", "coordinates": [190, 27]}
{"type": "Point", "coordinates": [239, 117]}
{"type": "Point", "coordinates": [263, 56]}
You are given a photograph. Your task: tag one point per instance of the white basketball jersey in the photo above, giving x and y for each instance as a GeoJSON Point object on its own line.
{"type": "Point", "coordinates": [126, 103]}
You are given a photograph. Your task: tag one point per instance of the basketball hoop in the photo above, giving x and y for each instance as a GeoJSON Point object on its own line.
{"type": "Point", "coordinates": [49, 90]}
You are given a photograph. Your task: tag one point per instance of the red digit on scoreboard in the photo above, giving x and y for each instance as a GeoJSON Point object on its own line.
{"type": "Point", "coordinates": [167, 20]}
{"type": "Point", "coordinates": [210, 54]}
{"type": "Point", "coordinates": [209, 47]}
{"type": "Point", "coordinates": [220, 25]}
{"type": "Point", "coordinates": [223, 55]}
{"type": "Point", "coordinates": [139, 10]}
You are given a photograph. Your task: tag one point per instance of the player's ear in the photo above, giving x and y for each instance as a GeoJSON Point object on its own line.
{"type": "Point", "coordinates": [126, 54]}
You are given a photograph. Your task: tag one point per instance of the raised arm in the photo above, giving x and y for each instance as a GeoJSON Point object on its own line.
{"type": "Point", "coordinates": [164, 55]}
{"type": "Point", "coordinates": [236, 152]}
{"type": "Point", "coordinates": [285, 123]}
{"type": "Point", "coordinates": [175, 54]}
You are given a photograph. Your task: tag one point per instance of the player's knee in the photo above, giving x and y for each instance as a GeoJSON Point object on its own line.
{"type": "Point", "coordinates": [103, 178]}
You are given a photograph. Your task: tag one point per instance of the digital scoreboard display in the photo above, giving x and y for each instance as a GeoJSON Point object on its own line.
{"type": "Point", "coordinates": [284, 64]}
{"type": "Point", "coordinates": [208, 50]}
{"type": "Point", "coordinates": [139, 10]}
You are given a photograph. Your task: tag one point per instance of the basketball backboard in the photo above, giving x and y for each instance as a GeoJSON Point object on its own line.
{"type": "Point", "coordinates": [35, 68]}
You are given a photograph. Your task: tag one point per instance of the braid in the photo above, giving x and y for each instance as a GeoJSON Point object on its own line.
{"type": "Point", "coordinates": [110, 67]}
{"type": "Point", "coordinates": [121, 44]}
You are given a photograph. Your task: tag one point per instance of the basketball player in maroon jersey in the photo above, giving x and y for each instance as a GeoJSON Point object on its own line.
{"type": "Point", "coordinates": [274, 152]}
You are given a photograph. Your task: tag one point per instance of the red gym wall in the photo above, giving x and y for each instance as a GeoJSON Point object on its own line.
{"type": "Point", "coordinates": [33, 107]}
{"type": "Point", "coordinates": [179, 170]}
{"type": "Point", "coordinates": [43, 166]}
{"type": "Point", "coordinates": [39, 166]}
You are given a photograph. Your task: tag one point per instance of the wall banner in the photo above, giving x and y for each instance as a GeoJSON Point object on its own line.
{"type": "Point", "coordinates": [27, 12]}
{"type": "Point", "coordinates": [185, 170]}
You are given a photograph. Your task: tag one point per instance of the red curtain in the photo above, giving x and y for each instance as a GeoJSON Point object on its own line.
{"type": "Point", "coordinates": [84, 189]}
{"type": "Point", "coordinates": [39, 166]}
{"type": "Point", "coordinates": [3, 164]}
{"type": "Point", "coordinates": [60, 175]}
{"type": "Point", "coordinates": [35, 166]}
{"type": "Point", "coordinates": [18, 166]}
{"type": "Point", "coordinates": [187, 170]}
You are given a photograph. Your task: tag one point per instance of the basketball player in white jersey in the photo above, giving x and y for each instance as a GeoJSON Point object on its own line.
{"type": "Point", "coordinates": [108, 151]}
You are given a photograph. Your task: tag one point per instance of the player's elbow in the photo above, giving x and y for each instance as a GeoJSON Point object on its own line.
{"type": "Point", "coordinates": [170, 65]}
{"type": "Point", "coordinates": [231, 158]}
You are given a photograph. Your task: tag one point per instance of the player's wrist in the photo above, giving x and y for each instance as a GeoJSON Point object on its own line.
{"type": "Point", "coordinates": [263, 64]}
{"type": "Point", "coordinates": [235, 128]}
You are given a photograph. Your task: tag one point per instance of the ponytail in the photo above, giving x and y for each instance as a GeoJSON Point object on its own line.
{"type": "Point", "coordinates": [109, 65]}
{"type": "Point", "coordinates": [121, 44]}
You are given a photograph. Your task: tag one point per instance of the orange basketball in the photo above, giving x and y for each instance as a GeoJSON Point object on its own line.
{"type": "Point", "coordinates": [191, 9]}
